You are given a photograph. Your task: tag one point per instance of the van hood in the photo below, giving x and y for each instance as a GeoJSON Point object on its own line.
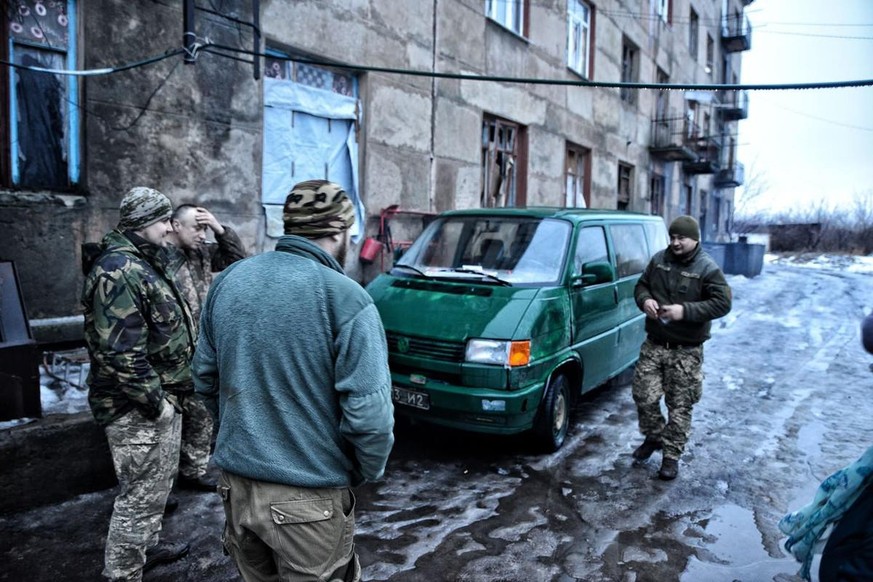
{"type": "Point", "coordinates": [449, 311]}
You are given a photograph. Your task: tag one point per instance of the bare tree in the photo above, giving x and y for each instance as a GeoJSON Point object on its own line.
{"type": "Point", "coordinates": [747, 210]}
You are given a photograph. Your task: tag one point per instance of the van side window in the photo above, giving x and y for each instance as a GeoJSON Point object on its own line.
{"type": "Point", "coordinates": [590, 248]}
{"type": "Point", "coordinates": [631, 250]}
{"type": "Point", "coordinates": [656, 233]}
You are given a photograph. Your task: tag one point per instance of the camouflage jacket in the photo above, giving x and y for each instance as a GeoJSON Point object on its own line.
{"type": "Point", "coordinates": [138, 329]}
{"type": "Point", "coordinates": [193, 269]}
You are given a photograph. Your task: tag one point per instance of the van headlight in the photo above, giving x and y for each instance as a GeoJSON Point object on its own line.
{"type": "Point", "coordinates": [499, 352]}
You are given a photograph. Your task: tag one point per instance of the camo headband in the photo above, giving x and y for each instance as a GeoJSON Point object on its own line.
{"type": "Point", "coordinates": [317, 208]}
{"type": "Point", "coordinates": [142, 207]}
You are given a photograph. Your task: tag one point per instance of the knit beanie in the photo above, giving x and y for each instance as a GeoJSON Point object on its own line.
{"type": "Point", "coordinates": [685, 226]}
{"type": "Point", "coordinates": [317, 208]}
{"type": "Point", "coordinates": [142, 207]}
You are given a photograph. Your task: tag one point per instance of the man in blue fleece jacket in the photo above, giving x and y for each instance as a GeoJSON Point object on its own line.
{"type": "Point", "coordinates": [293, 362]}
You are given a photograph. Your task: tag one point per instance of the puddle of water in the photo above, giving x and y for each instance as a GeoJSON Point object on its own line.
{"type": "Point", "coordinates": [738, 543]}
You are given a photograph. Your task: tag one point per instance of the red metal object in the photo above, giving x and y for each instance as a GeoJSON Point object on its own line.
{"type": "Point", "coordinates": [384, 241]}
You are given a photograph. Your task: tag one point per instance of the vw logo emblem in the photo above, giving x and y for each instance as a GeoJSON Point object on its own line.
{"type": "Point", "coordinates": [403, 345]}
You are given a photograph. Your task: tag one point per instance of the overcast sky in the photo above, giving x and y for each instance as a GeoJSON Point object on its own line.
{"type": "Point", "coordinates": [813, 144]}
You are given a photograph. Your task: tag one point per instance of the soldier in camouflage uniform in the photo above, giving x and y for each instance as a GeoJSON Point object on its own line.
{"type": "Point", "coordinates": [194, 261]}
{"type": "Point", "coordinates": [681, 291]}
{"type": "Point", "coordinates": [140, 339]}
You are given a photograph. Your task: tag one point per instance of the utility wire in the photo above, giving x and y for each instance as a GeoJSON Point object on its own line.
{"type": "Point", "coordinates": [579, 82]}
{"type": "Point", "coordinates": [97, 72]}
{"type": "Point", "coordinates": [458, 76]}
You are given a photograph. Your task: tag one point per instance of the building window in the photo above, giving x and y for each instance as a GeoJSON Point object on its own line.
{"type": "Point", "coordinates": [693, 31]}
{"type": "Point", "coordinates": [664, 10]}
{"type": "Point", "coordinates": [710, 54]}
{"type": "Point", "coordinates": [503, 158]}
{"type": "Point", "coordinates": [579, 37]}
{"type": "Point", "coordinates": [577, 186]}
{"type": "Point", "coordinates": [625, 185]}
{"type": "Point", "coordinates": [511, 14]}
{"type": "Point", "coordinates": [687, 198]}
{"type": "Point", "coordinates": [311, 123]}
{"type": "Point", "coordinates": [657, 194]}
{"type": "Point", "coordinates": [702, 218]}
{"type": "Point", "coordinates": [40, 111]}
{"type": "Point", "coordinates": [662, 97]}
{"type": "Point", "coordinates": [629, 69]}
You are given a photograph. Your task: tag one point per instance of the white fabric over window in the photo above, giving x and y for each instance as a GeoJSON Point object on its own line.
{"type": "Point", "coordinates": [309, 134]}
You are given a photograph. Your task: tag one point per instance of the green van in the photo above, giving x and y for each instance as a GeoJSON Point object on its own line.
{"type": "Point", "coordinates": [497, 319]}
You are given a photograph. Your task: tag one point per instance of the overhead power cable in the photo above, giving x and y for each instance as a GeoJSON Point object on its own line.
{"type": "Point", "coordinates": [457, 76]}
{"type": "Point", "coordinates": [570, 82]}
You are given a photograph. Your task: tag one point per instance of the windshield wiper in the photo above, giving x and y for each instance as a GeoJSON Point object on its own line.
{"type": "Point", "coordinates": [488, 276]}
{"type": "Point", "coordinates": [413, 269]}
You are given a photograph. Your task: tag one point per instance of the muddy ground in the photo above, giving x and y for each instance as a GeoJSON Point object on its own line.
{"type": "Point", "coordinates": [787, 400]}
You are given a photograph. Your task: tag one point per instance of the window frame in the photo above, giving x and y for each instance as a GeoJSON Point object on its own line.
{"type": "Point", "coordinates": [657, 194]}
{"type": "Point", "coordinates": [577, 167]}
{"type": "Point", "coordinates": [693, 33]}
{"type": "Point", "coordinates": [582, 64]}
{"type": "Point", "coordinates": [517, 151]}
{"type": "Point", "coordinates": [513, 10]}
{"type": "Point", "coordinates": [664, 9]}
{"type": "Point", "coordinates": [630, 69]}
{"type": "Point", "coordinates": [624, 186]}
{"type": "Point", "coordinates": [10, 168]}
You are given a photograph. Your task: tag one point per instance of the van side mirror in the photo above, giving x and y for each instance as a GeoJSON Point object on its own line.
{"type": "Point", "coordinates": [596, 272]}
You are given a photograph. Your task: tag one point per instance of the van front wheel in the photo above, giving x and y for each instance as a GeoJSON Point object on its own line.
{"type": "Point", "coordinates": [553, 419]}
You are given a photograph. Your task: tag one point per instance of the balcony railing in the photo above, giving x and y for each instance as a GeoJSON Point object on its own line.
{"type": "Point", "coordinates": [736, 33]}
{"type": "Point", "coordinates": [670, 139]}
{"type": "Point", "coordinates": [708, 155]}
{"type": "Point", "coordinates": [731, 176]}
{"type": "Point", "coordinates": [733, 105]}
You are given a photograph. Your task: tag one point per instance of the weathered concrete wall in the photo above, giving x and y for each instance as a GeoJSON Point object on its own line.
{"type": "Point", "coordinates": [195, 131]}
{"type": "Point", "coordinates": [192, 132]}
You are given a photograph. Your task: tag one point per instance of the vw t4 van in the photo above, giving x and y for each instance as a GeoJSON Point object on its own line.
{"type": "Point", "coordinates": [497, 319]}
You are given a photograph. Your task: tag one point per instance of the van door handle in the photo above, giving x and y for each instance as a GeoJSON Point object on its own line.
{"type": "Point", "coordinates": [615, 294]}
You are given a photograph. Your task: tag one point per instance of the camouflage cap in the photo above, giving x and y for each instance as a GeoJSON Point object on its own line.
{"type": "Point", "coordinates": [317, 208]}
{"type": "Point", "coordinates": [142, 207]}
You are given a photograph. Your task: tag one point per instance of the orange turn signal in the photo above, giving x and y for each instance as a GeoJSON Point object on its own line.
{"type": "Point", "coordinates": [519, 353]}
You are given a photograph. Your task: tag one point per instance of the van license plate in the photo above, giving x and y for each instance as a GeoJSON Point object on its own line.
{"type": "Point", "coordinates": [410, 398]}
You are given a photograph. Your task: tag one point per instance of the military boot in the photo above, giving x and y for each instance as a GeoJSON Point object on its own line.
{"type": "Point", "coordinates": [669, 469]}
{"type": "Point", "coordinates": [645, 450]}
{"type": "Point", "coordinates": [165, 553]}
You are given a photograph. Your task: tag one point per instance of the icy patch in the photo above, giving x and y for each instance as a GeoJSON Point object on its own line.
{"type": "Point", "coordinates": [644, 555]}
{"type": "Point", "coordinates": [731, 383]}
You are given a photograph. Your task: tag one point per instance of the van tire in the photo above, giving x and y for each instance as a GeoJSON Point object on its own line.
{"type": "Point", "coordinates": [553, 419]}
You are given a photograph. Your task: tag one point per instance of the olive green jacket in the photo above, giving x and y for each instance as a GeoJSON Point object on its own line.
{"type": "Point", "coordinates": [696, 282]}
{"type": "Point", "coordinates": [138, 329]}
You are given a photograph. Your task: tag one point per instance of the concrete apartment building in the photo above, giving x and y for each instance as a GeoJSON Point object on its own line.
{"type": "Point", "coordinates": [382, 96]}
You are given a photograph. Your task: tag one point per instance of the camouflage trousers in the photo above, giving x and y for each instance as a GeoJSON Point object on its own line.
{"type": "Point", "coordinates": [677, 376]}
{"type": "Point", "coordinates": [196, 438]}
{"type": "Point", "coordinates": [290, 534]}
{"type": "Point", "coordinates": [145, 454]}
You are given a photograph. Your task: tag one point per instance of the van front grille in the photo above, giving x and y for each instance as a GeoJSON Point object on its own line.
{"type": "Point", "coordinates": [428, 348]}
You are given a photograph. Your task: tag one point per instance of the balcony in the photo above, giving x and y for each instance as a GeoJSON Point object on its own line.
{"type": "Point", "coordinates": [669, 141]}
{"type": "Point", "coordinates": [732, 176]}
{"type": "Point", "coordinates": [733, 105]}
{"type": "Point", "coordinates": [707, 150]}
{"type": "Point", "coordinates": [736, 33]}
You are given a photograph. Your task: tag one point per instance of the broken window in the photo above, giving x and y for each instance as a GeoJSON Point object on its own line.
{"type": "Point", "coordinates": [629, 69]}
{"type": "Point", "coordinates": [693, 28]}
{"type": "Point", "coordinates": [40, 134]}
{"type": "Point", "coordinates": [625, 185]}
{"type": "Point", "coordinates": [503, 145]}
{"type": "Point", "coordinates": [579, 37]}
{"type": "Point", "coordinates": [577, 187]}
{"type": "Point", "coordinates": [657, 194]}
{"type": "Point", "coordinates": [310, 132]}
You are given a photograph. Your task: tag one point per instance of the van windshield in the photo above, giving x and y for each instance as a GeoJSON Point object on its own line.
{"type": "Point", "coordinates": [511, 249]}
